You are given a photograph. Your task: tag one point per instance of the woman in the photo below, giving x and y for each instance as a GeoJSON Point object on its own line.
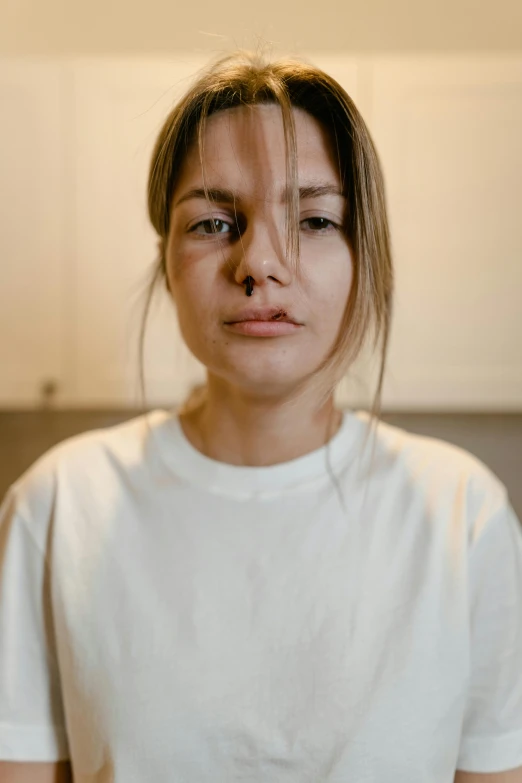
{"type": "Point", "coordinates": [239, 591]}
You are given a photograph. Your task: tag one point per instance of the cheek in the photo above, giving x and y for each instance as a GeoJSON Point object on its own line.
{"type": "Point", "coordinates": [194, 296]}
{"type": "Point", "coordinates": [193, 265]}
{"type": "Point", "coordinates": [181, 264]}
{"type": "Point", "coordinates": [329, 280]}
{"type": "Point", "coordinates": [190, 303]}
{"type": "Point", "coordinates": [184, 275]}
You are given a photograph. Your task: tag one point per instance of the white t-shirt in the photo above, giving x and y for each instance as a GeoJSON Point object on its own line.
{"type": "Point", "coordinates": [167, 617]}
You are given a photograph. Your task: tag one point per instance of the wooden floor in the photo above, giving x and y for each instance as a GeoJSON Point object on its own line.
{"type": "Point", "coordinates": [495, 439]}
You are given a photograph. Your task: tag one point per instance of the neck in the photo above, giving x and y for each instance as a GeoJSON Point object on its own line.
{"type": "Point", "coordinates": [240, 429]}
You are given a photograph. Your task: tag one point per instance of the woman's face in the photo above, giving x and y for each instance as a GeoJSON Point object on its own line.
{"type": "Point", "coordinates": [212, 248]}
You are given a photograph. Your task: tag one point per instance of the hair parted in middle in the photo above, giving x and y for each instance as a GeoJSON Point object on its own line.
{"type": "Point", "coordinates": [244, 78]}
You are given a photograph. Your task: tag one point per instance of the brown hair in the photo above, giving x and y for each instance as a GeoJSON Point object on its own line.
{"type": "Point", "coordinates": [246, 79]}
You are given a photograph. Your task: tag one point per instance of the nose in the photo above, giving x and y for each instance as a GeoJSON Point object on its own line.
{"type": "Point", "coordinates": [261, 256]}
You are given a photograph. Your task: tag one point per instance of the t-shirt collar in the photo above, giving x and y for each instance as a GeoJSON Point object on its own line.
{"type": "Point", "coordinates": [242, 481]}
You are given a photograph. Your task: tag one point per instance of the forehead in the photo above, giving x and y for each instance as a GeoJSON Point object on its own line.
{"type": "Point", "coordinates": [245, 147]}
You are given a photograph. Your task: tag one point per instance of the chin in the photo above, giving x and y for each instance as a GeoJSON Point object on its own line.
{"type": "Point", "coordinates": [274, 372]}
{"type": "Point", "coordinates": [262, 382]}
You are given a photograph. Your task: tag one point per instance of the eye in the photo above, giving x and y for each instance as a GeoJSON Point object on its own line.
{"type": "Point", "coordinates": [319, 224]}
{"type": "Point", "coordinates": [211, 226]}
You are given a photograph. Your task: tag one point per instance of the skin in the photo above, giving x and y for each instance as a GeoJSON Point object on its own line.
{"type": "Point", "coordinates": [258, 401]}
{"type": "Point", "coordinates": [33, 772]}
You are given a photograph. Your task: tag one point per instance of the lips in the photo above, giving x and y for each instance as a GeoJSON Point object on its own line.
{"type": "Point", "coordinates": [262, 314]}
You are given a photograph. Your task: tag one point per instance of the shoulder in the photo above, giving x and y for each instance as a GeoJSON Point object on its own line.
{"type": "Point", "coordinates": [84, 460]}
{"type": "Point", "coordinates": [443, 472]}
{"type": "Point", "coordinates": [423, 455]}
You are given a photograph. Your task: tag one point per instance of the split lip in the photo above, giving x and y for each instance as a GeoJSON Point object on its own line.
{"type": "Point", "coordinates": [263, 314]}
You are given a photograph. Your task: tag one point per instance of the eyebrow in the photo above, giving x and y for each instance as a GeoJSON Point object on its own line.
{"type": "Point", "coordinates": [225, 196]}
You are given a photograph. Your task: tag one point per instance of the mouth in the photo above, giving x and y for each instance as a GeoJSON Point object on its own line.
{"type": "Point", "coordinates": [263, 328]}
{"type": "Point", "coordinates": [263, 322]}
{"type": "Point", "coordinates": [263, 314]}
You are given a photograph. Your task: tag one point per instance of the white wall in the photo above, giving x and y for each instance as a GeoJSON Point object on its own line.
{"type": "Point", "coordinates": [168, 26]}
{"type": "Point", "coordinates": [76, 242]}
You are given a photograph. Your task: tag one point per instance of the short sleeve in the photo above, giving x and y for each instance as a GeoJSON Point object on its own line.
{"type": "Point", "coordinates": [491, 739]}
{"type": "Point", "coordinates": [32, 726]}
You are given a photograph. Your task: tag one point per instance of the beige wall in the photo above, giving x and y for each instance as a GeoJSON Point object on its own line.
{"type": "Point", "coordinates": [162, 26]}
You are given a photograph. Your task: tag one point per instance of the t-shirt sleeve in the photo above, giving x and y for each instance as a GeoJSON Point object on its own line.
{"type": "Point", "coordinates": [32, 725]}
{"type": "Point", "coordinates": [491, 739]}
